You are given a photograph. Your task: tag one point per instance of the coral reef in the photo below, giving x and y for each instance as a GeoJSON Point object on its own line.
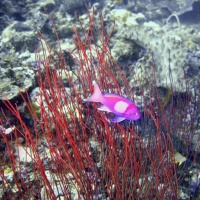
{"type": "Point", "coordinates": [164, 43]}
{"type": "Point", "coordinates": [53, 145]}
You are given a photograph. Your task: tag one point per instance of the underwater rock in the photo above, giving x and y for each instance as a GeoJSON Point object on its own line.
{"type": "Point", "coordinates": [24, 154]}
{"type": "Point", "coordinates": [21, 20]}
{"type": "Point", "coordinates": [130, 53]}
{"type": "Point", "coordinates": [194, 143]}
{"type": "Point", "coordinates": [71, 7]}
{"type": "Point", "coordinates": [7, 131]}
{"type": "Point", "coordinates": [193, 61]}
{"type": "Point", "coordinates": [157, 10]}
{"type": "Point", "coordinates": [194, 181]}
{"type": "Point", "coordinates": [168, 46]}
{"type": "Point", "coordinates": [15, 74]}
{"type": "Point", "coordinates": [11, 10]}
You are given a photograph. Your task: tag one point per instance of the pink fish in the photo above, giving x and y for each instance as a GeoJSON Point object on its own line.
{"type": "Point", "coordinates": [119, 105]}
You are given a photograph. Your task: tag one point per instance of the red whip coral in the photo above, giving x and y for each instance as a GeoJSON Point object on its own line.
{"type": "Point", "coordinates": [74, 151]}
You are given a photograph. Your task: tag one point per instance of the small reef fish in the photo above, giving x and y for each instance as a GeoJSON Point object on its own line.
{"type": "Point", "coordinates": [119, 105]}
{"type": "Point", "coordinates": [179, 158]}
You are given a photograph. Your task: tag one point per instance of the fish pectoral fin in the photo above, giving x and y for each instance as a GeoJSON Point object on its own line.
{"type": "Point", "coordinates": [104, 108]}
{"type": "Point", "coordinates": [116, 119]}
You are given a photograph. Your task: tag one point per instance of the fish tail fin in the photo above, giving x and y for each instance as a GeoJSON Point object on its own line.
{"type": "Point", "coordinates": [97, 94]}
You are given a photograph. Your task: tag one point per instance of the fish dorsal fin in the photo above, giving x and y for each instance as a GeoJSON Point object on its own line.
{"type": "Point", "coordinates": [112, 95]}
